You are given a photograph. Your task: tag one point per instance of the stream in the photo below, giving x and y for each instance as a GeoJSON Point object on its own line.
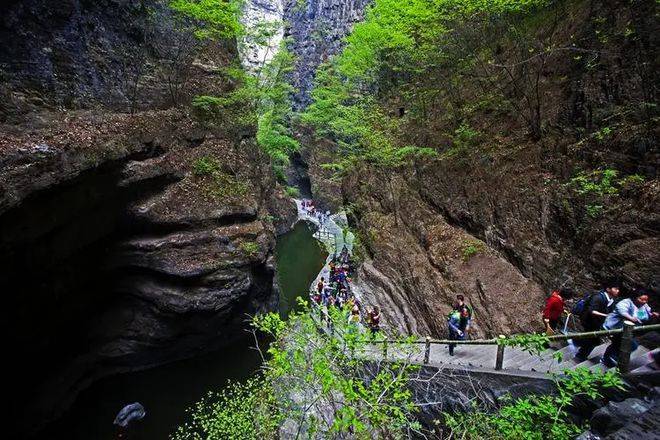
{"type": "Point", "coordinates": [168, 390]}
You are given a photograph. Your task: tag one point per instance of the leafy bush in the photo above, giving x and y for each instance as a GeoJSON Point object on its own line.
{"type": "Point", "coordinates": [536, 417]}
{"type": "Point", "coordinates": [205, 166]}
{"type": "Point", "coordinates": [599, 182]}
{"type": "Point", "coordinates": [471, 248]}
{"type": "Point", "coordinates": [320, 383]}
{"type": "Point", "coordinates": [292, 192]}
{"type": "Point", "coordinates": [214, 19]}
{"type": "Point", "coordinates": [603, 133]}
{"type": "Point", "coordinates": [246, 411]}
{"type": "Point", "coordinates": [251, 248]}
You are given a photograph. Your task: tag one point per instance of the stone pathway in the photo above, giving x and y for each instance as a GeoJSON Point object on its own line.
{"type": "Point", "coordinates": [331, 235]}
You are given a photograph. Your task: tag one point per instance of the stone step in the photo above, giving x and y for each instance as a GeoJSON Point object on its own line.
{"type": "Point", "coordinates": [514, 357]}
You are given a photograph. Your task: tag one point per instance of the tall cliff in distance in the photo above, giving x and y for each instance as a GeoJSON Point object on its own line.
{"type": "Point", "coordinates": [261, 15]}
{"type": "Point", "coordinates": [316, 29]}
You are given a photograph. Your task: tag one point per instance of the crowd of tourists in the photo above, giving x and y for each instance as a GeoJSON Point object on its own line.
{"type": "Point", "coordinates": [602, 310]}
{"type": "Point", "coordinates": [335, 289]}
{"type": "Point", "coordinates": [310, 209]}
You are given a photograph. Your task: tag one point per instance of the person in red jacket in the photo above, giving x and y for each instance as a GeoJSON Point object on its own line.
{"type": "Point", "coordinates": [554, 307]}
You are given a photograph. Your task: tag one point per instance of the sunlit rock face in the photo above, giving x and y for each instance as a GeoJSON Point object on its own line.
{"type": "Point", "coordinates": [317, 28]}
{"type": "Point", "coordinates": [261, 15]}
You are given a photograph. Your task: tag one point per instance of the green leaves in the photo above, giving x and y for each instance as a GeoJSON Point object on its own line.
{"type": "Point", "coordinates": [536, 417]}
{"type": "Point", "coordinates": [323, 383]}
{"type": "Point", "coordinates": [241, 411]}
{"type": "Point", "coordinates": [215, 19]}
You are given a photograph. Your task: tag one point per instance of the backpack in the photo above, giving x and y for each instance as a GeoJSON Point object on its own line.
{"type": "Point", "coordinates": [580, 307]}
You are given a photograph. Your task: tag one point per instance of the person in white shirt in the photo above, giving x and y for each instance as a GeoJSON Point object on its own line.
{"type": "Point", "coordinates": [635, 310]}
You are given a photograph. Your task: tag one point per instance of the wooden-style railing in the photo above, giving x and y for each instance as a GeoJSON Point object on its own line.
{"type": "Point", "coordinates": [624, 352]}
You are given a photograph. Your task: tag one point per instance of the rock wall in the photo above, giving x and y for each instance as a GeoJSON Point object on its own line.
{"type": "Point", "coordinates": [119, 250]}
{"type": "Point", "coordinates": [316, 29]}
{"type": "Point", "coordinates": [120, 54]}
{"type": "Point", "coordinates": [502, 221]}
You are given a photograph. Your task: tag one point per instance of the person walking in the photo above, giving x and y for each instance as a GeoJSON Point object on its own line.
{"type": "Point", "coordinates": [373, 320]}
{"type": "Point", "coordinates": [554, 308]}
{"type": "Point", "coordinates": [598, 306]}
{"type": "Point", "coordinates": [454, 327]}
{"type": "Point", "coordinates": [635, 310]}
{"type": "Point", "coordinates": [465, 311]}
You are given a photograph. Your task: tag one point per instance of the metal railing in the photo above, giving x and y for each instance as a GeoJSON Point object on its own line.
{"type": "Point", "coordinates": [624, 351]}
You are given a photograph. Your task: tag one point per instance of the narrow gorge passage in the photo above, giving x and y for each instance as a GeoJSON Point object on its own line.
{"type": "Point", "coordinates": [166, 167]}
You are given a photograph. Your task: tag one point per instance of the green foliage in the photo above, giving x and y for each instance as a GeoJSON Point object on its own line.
{"type": "Point", "coordinates": [471, 248]}
{"type": "Point", "coordinates": [205, 166]}
{"type": "Point", "coordinates": [536, 417]}
{"type": "Point", "coordinates": [246, 411]}
{"type": "Point", "coordinates": [251, 248]}
{"type": "Point", "coordinates": [317, 382]}
{"type": "Point", "coordinates": [631, 180]}
{"type": "Point", "coordinates": [594, 211]}
{"type": "Point", "coordinates": [214, 19]}
{"type": "Point", "coordinates": [258, 98]}
{"type": "Point", "coordinates": [533, 343]}
{"type": "Point", "coordinates": [405, 49]}
{"type": "Point", "coordinates": [274, 134]}
{"type": "Point", "coordinates": [603, 133]}
{"type": "Point", "coordinates": [599, 182]}
{"type": "Point", "coordinates": [293, 192]}
{"type": "Point", "coordinates": [261, 99]}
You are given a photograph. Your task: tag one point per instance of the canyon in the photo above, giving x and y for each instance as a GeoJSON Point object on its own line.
{"type": "Point", "coordinates": [133, 233]}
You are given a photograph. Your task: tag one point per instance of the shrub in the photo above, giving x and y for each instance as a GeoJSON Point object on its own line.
{"type": "Point", "coordinates": [471, 248]}
{"type": "Point", "coordinates": [293, 192]}
{"type": "Point", "coordinates": [251, 248]}
{"type": "Point", "coordinates": [598, 182]}
{"type": "Point", "coordinates": [320, 383]}
{"type": "Point", "coordinates": [205, 166]}
{"type": "Point", "coordinates": [535, 417]}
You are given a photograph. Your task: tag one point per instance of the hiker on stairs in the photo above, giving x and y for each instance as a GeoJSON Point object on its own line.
{"type": "Point", "coordinates": [635, 310]}
{"type": "Point", "coordinates": [596, 308]}
{"type": "Point", "coordinates": [554, 308]}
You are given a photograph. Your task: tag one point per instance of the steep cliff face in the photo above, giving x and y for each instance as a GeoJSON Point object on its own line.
{"type": "Point", "coordinates": [316, 28]}
{"type": "Point", "coordinates": [119, 54]}
{"type": "Point", "coordinates": [262, 16]}
{"type": "Point", "coordinates": [508, 218]}
{"type": "Point", "coordinates": [126, 240]}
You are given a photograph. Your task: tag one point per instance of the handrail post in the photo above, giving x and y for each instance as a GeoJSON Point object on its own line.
{"type": "Point", "coordinates": [626, 346]}
{"type": "Point", "coordinates": [499, 361]}
{"type": "Point", "coordinates": [427, 350]}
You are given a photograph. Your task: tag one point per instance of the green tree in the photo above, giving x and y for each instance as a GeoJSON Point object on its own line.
{"type": "Point", "coordinates": [313, 384]}
{"type": "Point", "coordinates": [214, 19]}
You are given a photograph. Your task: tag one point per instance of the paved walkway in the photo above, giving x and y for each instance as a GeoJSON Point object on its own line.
{"type": "Point", "coordinates": [331, 235]}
